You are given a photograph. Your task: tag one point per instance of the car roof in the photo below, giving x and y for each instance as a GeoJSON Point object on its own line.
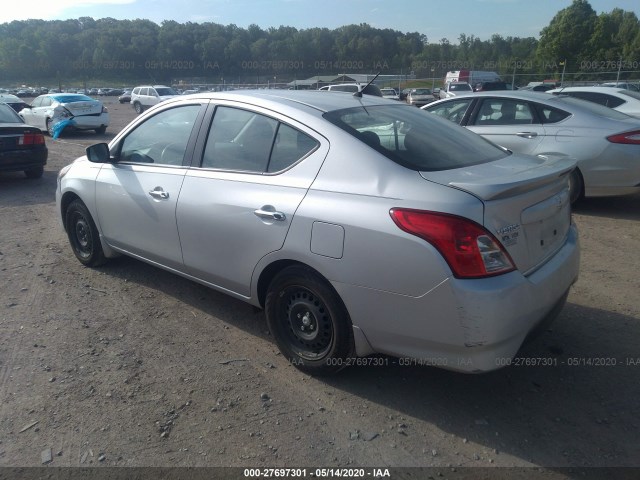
{"type": "Point", "coordinates": [300, 99]}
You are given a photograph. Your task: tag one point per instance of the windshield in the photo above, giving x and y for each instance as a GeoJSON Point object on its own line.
{"type": "Point", "coordinates": [414, 138]}
{"type": "Point", "coordinates": [422, 91]}
{"type": "Point", "coordinates": [592, 107]}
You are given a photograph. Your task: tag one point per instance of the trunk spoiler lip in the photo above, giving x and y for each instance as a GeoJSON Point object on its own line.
{"type": "Point", "coordinates": [506, 184]}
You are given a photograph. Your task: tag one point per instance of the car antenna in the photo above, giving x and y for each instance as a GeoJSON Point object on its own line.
{"type": "Point", "coordinates": [359, 92]}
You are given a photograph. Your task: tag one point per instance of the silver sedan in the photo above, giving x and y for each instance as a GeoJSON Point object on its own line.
{"type": "Point", "coordinates": [605, 143]}
{"type": "Point", "coordinates": [361, 225]}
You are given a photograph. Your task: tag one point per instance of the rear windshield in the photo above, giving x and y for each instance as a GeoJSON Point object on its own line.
{"type": "Point", "coordinates": [592, 107]}
{"type": "Point", "coordinates": [460, 86]}
{"type": "Point", "coordinates": [72, 98]}
{"type": "Point", "coordinates": [8, 115]}
{"type": "Point", "coordinates": [165, 91]}
{"type": "Point", "coordinates": [630, 93]}
{"type": "Point", "coordinates": [414, 138]}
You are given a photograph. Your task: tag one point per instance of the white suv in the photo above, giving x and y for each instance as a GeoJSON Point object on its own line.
{"type": "Point", "coordinates": [146, 96]}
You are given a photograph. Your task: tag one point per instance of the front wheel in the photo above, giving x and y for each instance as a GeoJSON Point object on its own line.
{"type": "Point", "coordinates": [49, 127]}
{"type": "Point", "coordinates": [309, 322]}
{"type": "Point", "coordinates": [83, 235]}
{"type": "Point", "coordinates": [101, 130]}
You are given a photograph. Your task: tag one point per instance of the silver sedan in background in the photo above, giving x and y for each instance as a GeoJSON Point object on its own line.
{"type": "Point", "coordinates": [361, 225]}
{"type": "Point", "coordinates": [604, 142]}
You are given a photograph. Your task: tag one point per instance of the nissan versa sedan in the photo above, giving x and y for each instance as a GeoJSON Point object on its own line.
{"type": "Point", "coordinates": [361, 225]}
{"type": "Point", "coordinates": [79, 112]}
{"type": "Point", "coordinates": [605, 143]}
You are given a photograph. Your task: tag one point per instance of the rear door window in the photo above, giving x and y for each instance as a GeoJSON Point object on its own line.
{"type": "Point", "coordinates": [246, 141]}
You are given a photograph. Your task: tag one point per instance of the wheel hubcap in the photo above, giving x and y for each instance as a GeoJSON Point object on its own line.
{"type": "Point", "coordinates": [309, 323]}
{"type": "Point", "coordinates": [83, 237]}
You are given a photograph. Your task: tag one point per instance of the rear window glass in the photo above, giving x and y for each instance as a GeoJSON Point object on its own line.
{"type": "Point", "coordinates": [591, 107]}
{"type": "Point", "coordinates": [8, 115]}
{"type": "Point", "coordinates": [414, 138]}
{"type": "Point", "coordinates": [72, 98]}
{"type": "Point", "coordinates": [630, 93]}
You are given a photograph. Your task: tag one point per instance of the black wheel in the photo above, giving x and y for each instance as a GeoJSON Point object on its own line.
{"type": "Point", "coordinates": [309, 322]}
{"type": "Point", "coordinates": [576, 186]}
{"type": "Point", "coordinates": [35, 172]}
{"type": "Point", "coordinates": [101, 130]}
{"type": "Point", "coordinates": [83, 235]}
{"type": "Point", "coordinates": [138, 108]}
{"type": "Point", "coordinates": [49, 127]}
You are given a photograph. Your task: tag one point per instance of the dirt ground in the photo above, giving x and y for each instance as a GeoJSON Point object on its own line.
{"type": "Point", "coordinates": [128, 365]}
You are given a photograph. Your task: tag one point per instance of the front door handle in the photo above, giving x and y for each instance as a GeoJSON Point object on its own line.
{"type": "Point", "coordinates": [267, 212]}
{"type": "Point", "coordinates": [527, 134]}
{"type": "Point", "coordinates": [159, 193]}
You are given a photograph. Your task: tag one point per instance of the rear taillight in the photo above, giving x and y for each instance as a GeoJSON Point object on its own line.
{"type": "Point", "coordinates": [469, 249]}
{"type": "Point", "coordinates": [632, 138]}
{"type": "Point", "coordinates": [105, 109]}
{"type": "Point", "coordinates": [31, 139]}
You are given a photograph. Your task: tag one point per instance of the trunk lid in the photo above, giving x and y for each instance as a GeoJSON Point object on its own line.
{"type": "Point", "coordinates": [526, 203]}
{"type": "Point", "coordinates": [84, 108]}
{"type": "Point", "coordinates": [10, 138]}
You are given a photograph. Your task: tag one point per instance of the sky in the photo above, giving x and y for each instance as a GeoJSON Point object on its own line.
{"type": "Point", "coordinates": [436, 19]}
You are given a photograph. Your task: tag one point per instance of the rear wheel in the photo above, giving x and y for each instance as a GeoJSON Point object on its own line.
{"type": "Point", "coordinates": [309, 322]}
{"type": "Point", "coordinates": [34, 172]}
{"type": "Point", "coordinates": [138, 107]}
{"type": "Point", "coordinates": [83, 235]}
{"type": "Point", "coordinates": [101, 130]}
{"type": "Point", "coordinates": [49, 127]}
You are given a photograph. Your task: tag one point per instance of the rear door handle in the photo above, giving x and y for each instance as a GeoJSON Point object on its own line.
{"type": "Point", "coordinates": [269, 213]}
{"type": "Point", "coordinates": [159, 193]}
{"type": "Point", "coordinates": [527, 134]}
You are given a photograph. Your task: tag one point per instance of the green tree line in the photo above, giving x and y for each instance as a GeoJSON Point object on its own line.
{"type": "Point", "coordinates": [137, 50]}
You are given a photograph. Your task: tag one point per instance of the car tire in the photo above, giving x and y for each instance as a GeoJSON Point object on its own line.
{"type": "Point", "coordinates": [49, 127]}
{"type": "Point", "coordinates": [101, 130]}
{"type": "Point", "coordinates": [138, 108]}
{"type": "Point", "coordinates": [34, 172]}
{"type": "Point", "coordinates": [576, 186]}
{"type": "Point", "coordinates": [83, 235]}
{"type": "Point", "coordinates": [309, 322]}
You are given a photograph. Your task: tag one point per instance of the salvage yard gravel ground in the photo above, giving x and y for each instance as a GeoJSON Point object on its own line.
{"type": "Point", "coordinates": [129, 365]}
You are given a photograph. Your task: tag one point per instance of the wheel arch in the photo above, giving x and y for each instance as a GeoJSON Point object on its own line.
{"type": "Point", "coordinates": [65, 201]}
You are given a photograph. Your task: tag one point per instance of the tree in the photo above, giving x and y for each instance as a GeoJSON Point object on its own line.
{"type": "Point", "coordinates": [567, 36]}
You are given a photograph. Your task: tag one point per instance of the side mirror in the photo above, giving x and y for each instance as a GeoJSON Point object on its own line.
{"type": "Point", "coordinates": [98, 153]}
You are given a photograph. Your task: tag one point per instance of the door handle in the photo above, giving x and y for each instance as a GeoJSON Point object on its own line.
{"type": "Point", "coordinates": [269, 214]}
{"type": "Point", "coordinates": [527, 134]}
{"type": "Point", "coordinates": [159, 193]}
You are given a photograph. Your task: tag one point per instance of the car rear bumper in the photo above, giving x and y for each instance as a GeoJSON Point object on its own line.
{"type": "Point", "coordinates": [464, 325]}
{"type": "Point", "coordinates": [17, 160]}
{"type": "Point", "coordinates": [89, 122]}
